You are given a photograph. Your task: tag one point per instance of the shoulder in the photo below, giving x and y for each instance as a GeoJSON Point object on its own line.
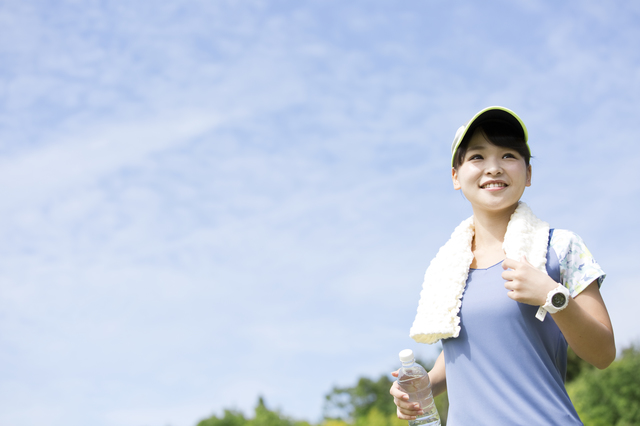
{"type": "Point", "coordinates": [578, 268]}
{"type": "Point", "coordinates": [562, 241]}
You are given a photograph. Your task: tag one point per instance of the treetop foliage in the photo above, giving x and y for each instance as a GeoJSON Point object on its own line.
{"type": "Point", "coordinates": [263, 417]}
{"type": "Point", "coordinates": [608, 397]}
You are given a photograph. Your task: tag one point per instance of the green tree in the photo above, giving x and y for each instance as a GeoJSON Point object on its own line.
{"type": "Point", "coordinates": [334, 422]}
{"type": "Point", "coordinates": [266, 417]}
{"type": "Point", "coordinates": [356, 401]}
{"type": "Point", "coordinates": [373, 418]}
{"type": "Point", "coordinates": [609, 397]}
{"type": "Point", "coordinates": [230, 418]}
{"type": "Point", "coordinates": [262, 417]}
{"type": "Point", "coordinates": [575, 366]}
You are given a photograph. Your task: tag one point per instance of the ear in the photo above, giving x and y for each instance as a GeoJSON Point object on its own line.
{"type": "Point", "coordinates": [528, 183]}
{"type": "Point", "coordinates": [454, 178]}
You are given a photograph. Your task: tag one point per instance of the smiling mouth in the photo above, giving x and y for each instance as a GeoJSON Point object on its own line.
{"type": "Point", "coordinates": [494, 185]}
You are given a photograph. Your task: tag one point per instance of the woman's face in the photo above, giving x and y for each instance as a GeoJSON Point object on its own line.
{"type": "Point", "coordinates": [492, 178]}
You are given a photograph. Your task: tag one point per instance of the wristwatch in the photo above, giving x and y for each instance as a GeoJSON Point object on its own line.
{"type": "Point", "coordinates": [557, 300]}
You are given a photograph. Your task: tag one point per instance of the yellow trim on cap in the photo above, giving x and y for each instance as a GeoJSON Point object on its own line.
{"type": "Point", "coordinates": [462, 131]}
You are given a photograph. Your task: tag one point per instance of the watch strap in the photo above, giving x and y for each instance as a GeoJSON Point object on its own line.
{"type": "Point", "coordinates": [548, 306]}
{"type": "Point", "coordinates": [542, 312]}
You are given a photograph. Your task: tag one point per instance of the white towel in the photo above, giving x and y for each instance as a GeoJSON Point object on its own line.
{"type": "Point", "coordinates": [445, 279]}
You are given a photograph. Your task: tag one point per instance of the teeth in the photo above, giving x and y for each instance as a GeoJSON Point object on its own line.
{"type": "Point", "coordinates": [494, 185]}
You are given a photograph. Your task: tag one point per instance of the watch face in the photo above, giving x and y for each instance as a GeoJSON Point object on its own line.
{"type": "Point", "coordinates": [558, 300]}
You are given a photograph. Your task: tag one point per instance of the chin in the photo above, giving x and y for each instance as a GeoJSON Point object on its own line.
{"type": "Point", "coordinates": [498, 207]}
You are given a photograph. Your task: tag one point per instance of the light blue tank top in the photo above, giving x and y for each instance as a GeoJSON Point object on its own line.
{"type": "Point", "coordinates": [506, 367]}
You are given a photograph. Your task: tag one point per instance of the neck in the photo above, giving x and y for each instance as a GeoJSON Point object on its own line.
{"type": "Point", "coordinates": [490, 228]}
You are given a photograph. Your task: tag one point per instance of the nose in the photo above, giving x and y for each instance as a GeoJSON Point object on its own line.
{"type": "Point", "coordinates": [493, 167]}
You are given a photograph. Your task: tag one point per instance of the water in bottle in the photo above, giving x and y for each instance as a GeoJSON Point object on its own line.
{"type": "Point", "coordinates": [414, 380]}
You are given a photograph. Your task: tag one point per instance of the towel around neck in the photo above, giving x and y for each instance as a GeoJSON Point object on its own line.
{"type": "Point", "coordinates": [444, 282]}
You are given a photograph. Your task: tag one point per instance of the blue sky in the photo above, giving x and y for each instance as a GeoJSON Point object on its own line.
{"type": "Point", "coordinates": [207, 201]}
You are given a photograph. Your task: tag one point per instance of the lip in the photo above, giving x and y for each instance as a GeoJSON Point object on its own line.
{"type": "Point", "coordinates": [501, 185]}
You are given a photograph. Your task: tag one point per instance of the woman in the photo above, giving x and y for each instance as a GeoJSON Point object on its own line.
{"type": "Point", "coordinates": [506, 293]}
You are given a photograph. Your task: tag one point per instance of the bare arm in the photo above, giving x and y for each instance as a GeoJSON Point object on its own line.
{"type": "Point", "coordinates": [438, 376]}
{"type": "Point", "coordinates": [587, 327]}
{"type": "Point", "coordinates": [409, 410]}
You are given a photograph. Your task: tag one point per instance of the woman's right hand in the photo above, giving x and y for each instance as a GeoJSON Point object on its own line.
{"type": "Point", "coordinates": [406, 410]}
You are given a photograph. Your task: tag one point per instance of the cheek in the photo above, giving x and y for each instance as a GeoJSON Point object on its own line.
{"type": "Point", "coordinates": [520, 172]}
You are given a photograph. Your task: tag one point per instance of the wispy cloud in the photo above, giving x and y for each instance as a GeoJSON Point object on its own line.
{"type": "Point", "coordinates": [191, 186]}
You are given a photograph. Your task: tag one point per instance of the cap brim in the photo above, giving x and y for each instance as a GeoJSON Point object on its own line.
{"type": "Point", "coordinates": [497, 113]}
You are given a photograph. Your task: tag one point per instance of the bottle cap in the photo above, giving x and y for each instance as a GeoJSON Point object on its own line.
{"type": "Point", "coordinates": [406, 355]}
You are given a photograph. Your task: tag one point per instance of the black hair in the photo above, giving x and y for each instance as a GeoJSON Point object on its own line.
{"type": "Point", "coordinates": [499, 133]}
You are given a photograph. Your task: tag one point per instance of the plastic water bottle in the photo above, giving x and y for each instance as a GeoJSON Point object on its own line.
{"type": "Point", "coordinates": [414, 380]}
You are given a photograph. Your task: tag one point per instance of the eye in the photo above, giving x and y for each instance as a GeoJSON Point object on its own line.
{"type": "Point", "coordinates": [509, 155]}
{"type": "Point", "coordinates": [474, 157]}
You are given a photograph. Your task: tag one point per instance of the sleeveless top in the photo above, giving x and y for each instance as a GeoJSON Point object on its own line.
{"type": "Point", "coordinates": [506, 367]}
